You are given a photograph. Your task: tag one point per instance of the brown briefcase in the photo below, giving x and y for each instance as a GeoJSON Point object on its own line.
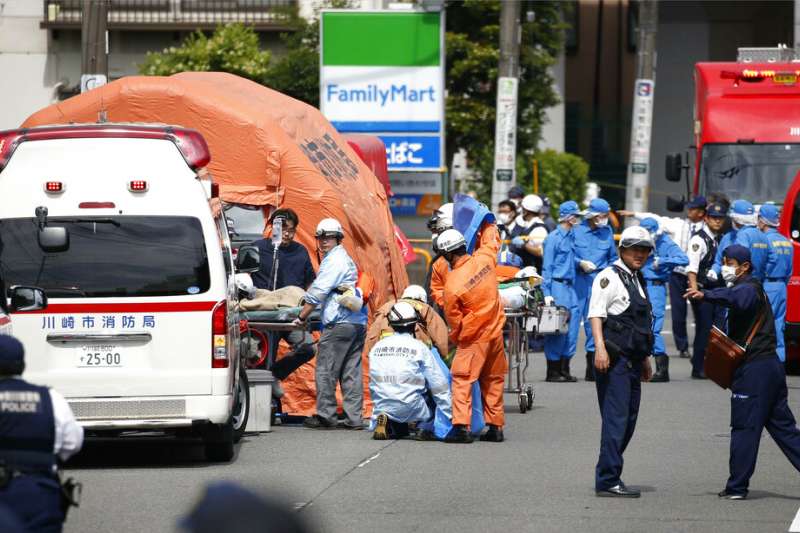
{"type": "Point", "coordinates": [723, 356]}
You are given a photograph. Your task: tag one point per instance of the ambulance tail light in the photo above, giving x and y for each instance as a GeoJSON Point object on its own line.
{"type": "Point", "coordinates": [54, 187]}
{"type": "Point", "coordinates": [8, 143]}
{"type": "Point", "coordinates": [219, 335]}
{"type": "Point", "coordinates": [137, 186]}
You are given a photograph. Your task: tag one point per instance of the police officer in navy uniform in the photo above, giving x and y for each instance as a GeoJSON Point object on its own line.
{"type": "Point", "coordinates": [621, 319]}
{"type": "Point", "coordinates": [758, 391]}
{"type": "Point", "coordinates": [700, 273]}
{"type": "Point", "coordinates": [37, 429]}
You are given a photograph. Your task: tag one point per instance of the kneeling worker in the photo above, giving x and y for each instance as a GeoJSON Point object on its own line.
{"type": "Point", "coordinates": [621, 319]}
{"type": "Point", "coordinates": [37, 429]}
{"type": "Point", "coordinates": [474, 311]}
{"type": "Point", "coordinates": [758, 391]}
{"type": "Point", "coordinates": [405, 382]}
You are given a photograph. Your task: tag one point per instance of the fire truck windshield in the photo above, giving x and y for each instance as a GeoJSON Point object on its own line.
{"type": "Point", "coordinates": [757, 172]}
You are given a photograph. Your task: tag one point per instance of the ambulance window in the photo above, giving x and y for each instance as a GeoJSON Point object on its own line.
{"type": "Point", "coordinates": [224, 242]}
{"type": "Point", "coordinates": [123, 256]}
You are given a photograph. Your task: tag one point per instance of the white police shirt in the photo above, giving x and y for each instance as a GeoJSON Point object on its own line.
{"type": "Point", "coordinates": [69, 434]}
{"type": "Point", "coordinates": [697, 250]}
{"type": "Point", "coordinates": [680, 230]}
{"type": "Point", "coordinates": [609, 295]}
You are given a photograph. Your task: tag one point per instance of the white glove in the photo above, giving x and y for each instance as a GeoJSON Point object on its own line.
{"type": "Point", "coordinates": [655, 262]}
{"type": "Point", "coordinates": [548, 300]}
{"type": "Point", "coordinates": [712, 275]}
{"type": "Point", "coordinates": [587, 266]}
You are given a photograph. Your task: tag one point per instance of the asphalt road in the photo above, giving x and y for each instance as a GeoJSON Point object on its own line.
{"type": "Point", "coordinates": [540, 479]}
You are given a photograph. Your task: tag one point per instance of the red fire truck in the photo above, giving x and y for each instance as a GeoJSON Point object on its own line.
{"type": "Point", "coordinates": [747, 140]}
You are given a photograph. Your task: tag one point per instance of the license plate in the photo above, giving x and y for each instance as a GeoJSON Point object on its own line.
{"type": "Point", "coordinates": [99, 356]}
{"type": "Point", "coordinates": [785, 78]}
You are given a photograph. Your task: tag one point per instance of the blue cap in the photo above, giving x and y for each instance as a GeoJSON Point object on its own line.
{"type": "Point", "coordinates": [769, 214]}
{"type": "Point", "coordinates": [717, 211]}
{"type": "Point", "coordinates": [598, 206]}
{"type": "Point", "coordinates": [650, 224]}
{"type": "Point", "coordinates": [737, 252]}
{"type": "Point", "coordinates": [742, 207]}
{"type": "Point", "coordinates": [516, 192]}
{"type": "Point", "coordinates": [11, 350]}
{"type": "Point", "coordinates": [698, 202]}
{"type": "Point", "coordinates": [567, 209]}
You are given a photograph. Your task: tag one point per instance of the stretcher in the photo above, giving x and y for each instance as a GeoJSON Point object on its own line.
{"type": "Point", "coordinates": [279, 319]}
{"type": "Point", "coordinates": [533, 318]}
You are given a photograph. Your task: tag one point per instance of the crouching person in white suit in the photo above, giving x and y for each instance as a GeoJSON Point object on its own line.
{"type": "Point", "coordinates": [405, 381]}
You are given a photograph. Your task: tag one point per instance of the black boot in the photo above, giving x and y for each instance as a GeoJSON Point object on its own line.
{"type": "Point", "coordinates": [662, 370]}
{"type": "Point", "coordinates": [554, 372]}
{"type": "Point", "coordinates": [459, 435]}
{"type": "Point", "coordinates": [494, 434]}
{"type": "Point", "coordinates": [565, 371]}
{"type": "Point", "coordinates": [589, 366]}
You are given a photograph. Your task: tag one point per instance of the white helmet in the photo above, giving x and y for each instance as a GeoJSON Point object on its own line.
{"type": "Point", "coordinates": [450, 240]}
{"type": "Point", "coordinates": [532, 203]}
{"type": "Point", "coordinates": [329, 227]}
{"type": "Point", "coordinates": [244, 284]}
{"type": "Point", "coordinates": [442, 218]}
{"type": "Point", "coordinates": [527, 272]}
{"type": "Point", "coordinates": [415, 292]}
{"type": "Point", "coordinates": [402, 314]}
{"type": "Point", "coordinates": [636, 236]}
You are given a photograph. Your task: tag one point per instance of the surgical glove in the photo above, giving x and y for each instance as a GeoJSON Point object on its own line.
{"type": "Point", "coordinates": [518, 243]}
{"type": "Point", "coordinates": [587, 266]}
{"type": "Point", "coordinates": [712, 275]}
{"type": "Point", "coordinates": [548, 300]}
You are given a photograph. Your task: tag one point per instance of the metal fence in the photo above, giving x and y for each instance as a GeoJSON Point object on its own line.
{"type": "Point", "coordinates": [175, 14]}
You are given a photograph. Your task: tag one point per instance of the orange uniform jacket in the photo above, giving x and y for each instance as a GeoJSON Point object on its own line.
{"type": "Point", "coordinates": [472, 303]}
{"type": "Point", "coordinates": [438, 277]}
{"type": "Point", "coordinates": [432, 331]}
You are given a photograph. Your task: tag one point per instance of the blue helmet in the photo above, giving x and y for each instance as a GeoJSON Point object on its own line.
{"type": "Point", "coordinates": [598, 206]}
{"type": "Point", "coordinates": [769, 214]}
{"type": "Point", "coordinates": [568, 209]}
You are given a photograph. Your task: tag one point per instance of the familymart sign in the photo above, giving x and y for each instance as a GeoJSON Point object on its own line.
{"type": "Point", "coordinates": [382, 73]}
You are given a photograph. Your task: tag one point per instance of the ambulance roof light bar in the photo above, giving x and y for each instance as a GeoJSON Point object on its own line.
{"type": "Point", "coordinates": [191, 143]}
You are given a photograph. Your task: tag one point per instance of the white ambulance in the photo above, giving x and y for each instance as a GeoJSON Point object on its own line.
{"type": "Point", "coordinates": [140, 331]}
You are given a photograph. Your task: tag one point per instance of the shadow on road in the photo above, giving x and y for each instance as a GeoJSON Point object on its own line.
{"type": "Point", "coordinates": [141, 453]}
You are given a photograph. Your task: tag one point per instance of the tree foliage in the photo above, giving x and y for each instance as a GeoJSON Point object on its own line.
{"type": "Point", "coordinates": [562, 177]}
{"type": "Point", "coordinates": [231, 48]}
{"type": "Point", "coordinates": [472, 41]}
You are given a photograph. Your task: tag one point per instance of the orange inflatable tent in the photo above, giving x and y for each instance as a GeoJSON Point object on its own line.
{"type": "Point", "coordinates": [267, 149]}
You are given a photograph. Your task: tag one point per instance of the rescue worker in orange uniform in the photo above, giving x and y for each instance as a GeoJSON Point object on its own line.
{"type": "Point", "coordinates": [475, 314]}
{"type": "Point", "coordinates": [441, 220]}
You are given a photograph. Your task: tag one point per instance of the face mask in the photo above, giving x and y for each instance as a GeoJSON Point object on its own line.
{"type": "Point", "coordinates": [504, 218]}
{"type": "Point", "coordinates": [729, 273]}
{"type": "Point", "coordinates": [601, 222]}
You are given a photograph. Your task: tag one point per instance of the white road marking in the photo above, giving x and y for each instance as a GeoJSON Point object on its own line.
{"type": "Point", "coordinates": [795, 527]}
{"type": "Point", "coordinates": [364, 463]}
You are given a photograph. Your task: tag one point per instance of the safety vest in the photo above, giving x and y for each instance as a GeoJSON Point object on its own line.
{"type": "Point", "coordinates": [630, 333]}
{"type": "Point", "coordinates": [708, 260]}
{"type": "Point", "coordinates": [27, 427]}
{"type": "Point", "coordinates": [528, 259]}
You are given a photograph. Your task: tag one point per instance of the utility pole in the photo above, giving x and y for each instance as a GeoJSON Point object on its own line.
{"type": "Point", "coordinates": [94, 44]}
{"type": "Point", "coordinates": [505, 136]}
{"type": "Point", "coordinates": [642, 120]}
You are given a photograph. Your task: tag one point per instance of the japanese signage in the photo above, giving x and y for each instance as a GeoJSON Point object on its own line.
{"type": "Point", "coordinates": [415, 193]}
{"type": "Point", "coordinates": [505, 145]}
{"type": "Point", "coordinates": [381, 72]}
{"type": "Point", "coordinates": [96, 322]}
{"type": "Point", "coordinates": [641, 128]}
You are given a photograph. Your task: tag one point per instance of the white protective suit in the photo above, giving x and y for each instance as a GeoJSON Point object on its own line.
{"type": "Point", "coordinates": [402, 371]}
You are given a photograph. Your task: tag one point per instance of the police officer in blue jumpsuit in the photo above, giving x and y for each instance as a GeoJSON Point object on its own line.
{"type": "Point", "coordinates": [777, 272]}
{"type": "Point", "coordinates": [745, 233]}
{"type": "Point", "coordinates": [758, 391]}
{"type": "Point", "coordinates": [558, 287]}
{"type": "Point", "coordinates": [594, 251]}
{"type": "Point", "coordinates": [621, 319]}
{"type": "Point", "coordinates": [37, 428]}
{"type": "Point", "coordinates": [665, 257]}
